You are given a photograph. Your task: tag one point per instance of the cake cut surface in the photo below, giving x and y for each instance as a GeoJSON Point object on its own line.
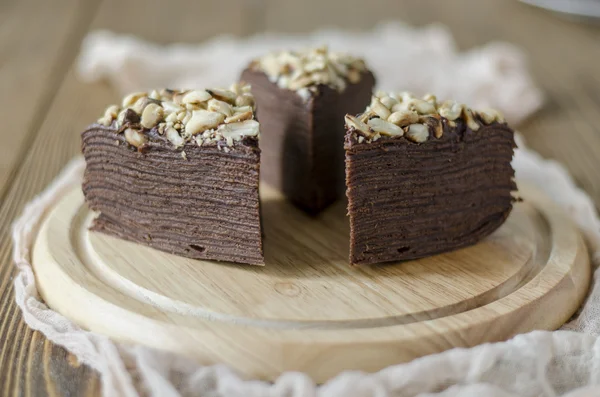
{"type": "Point", "coordinates": [178, 171]}
{"type": "Point", "coordinates": [301, 99]}
{"type": "Point", "coordinates": [424, 177]}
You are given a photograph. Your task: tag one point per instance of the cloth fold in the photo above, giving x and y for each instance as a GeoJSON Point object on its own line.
{"type": "Point", "coordinates": [535, 364]}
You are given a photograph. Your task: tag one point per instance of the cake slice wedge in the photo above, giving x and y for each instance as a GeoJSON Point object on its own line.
{"type": "Point", "coordinates": [178, 171]}
{"type": "Point", "coordinates": [302, 97]}
{"type": "Point", "coordinates": [424, 177]}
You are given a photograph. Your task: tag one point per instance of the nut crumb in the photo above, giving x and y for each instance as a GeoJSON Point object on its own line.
{"type": "Point", "coordinates": [301, 70]}
{"type": "Point", "coordinates": [217, 114]}
{"type": "Point", "coordinates": [403, 114]}
{"type": "Point", "coordinates": [184, 155]}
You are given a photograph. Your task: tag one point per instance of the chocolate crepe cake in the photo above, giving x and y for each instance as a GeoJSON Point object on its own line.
{"type": "Point", "coordinates": [301, 99]}
{"type": "Point", "coordinates": [424, 178]}
{"type": "Point", "coordinates": [178, 171]}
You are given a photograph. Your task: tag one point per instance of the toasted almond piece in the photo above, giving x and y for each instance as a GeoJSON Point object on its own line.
{"type": "Point", "coordinates": [105, 121]}
{"type": "Point", "coordinates": [380, 94]}
{"type": "Point", "coordinates": [423, 107]}
{"type": "Point", "coordinates": [154, 95]}
{"type": "Point", "coordinates": [245, 100]}
{"type": "Point", "coordinates": [361, 139]}
{"type": "Point", "coordinates": [353, 122]}
{"type": "Point", "coordinates": [418, 133]}
{"type": "Point", "coordinates": [242, 109]}
{"type": "Point", "coordinates": [173, 136]}
{"type": "Point", "coordinates": [401, 107]}
{"type": "Point", "coordinates": [215, 105]}
{"type": "Point", "coordinates": [135, 137]}
{"type": "Point", "coordinates": [195, 97]}
{"type": "Point", "coordinates": [239, 117]}
{"type": "Point", "coordinates": [403, 117]}
{"type": "Point", "coordinates": [384, 127]}
{"type": "Point", "coordinates": [112, 111]}
{"type": "Point", "coordinates": [171, 107]}
{"type": "Point", "coordinates": [171, 117]}
{"type": "Point", "coordinates": [388, 101]}
{"type": "Point", "coordinates": [450, 110]}
{"type": "Point", "coordinates": [237, 88]}
{"type": "Point", "coordinates": [364, 117]}
{"type": "Point", "coordinates": [140, 105]}
{"type": "Point", "coordinates": [132, 98]}
{"type": "Point", "coordinates": [151, 115]}
{"type": "Point", "coordinates": [240, 88]}
{"type": "Point", "coordinates": [379, 108]}
{"type": "Point", "coordinates": [471, 122]}
{"type": "Point", "coordinates": [237, 131]}
{"type": "Point", "coordinates": [203, 120]}
{"type": "Point", "coordinates": [431, 99]}
{"type": "Point", "coordinates": [489, 115]}
{"type": "Point", "coordinates": [223, 95]}
{"type": "Point", "coordinates": [187, 118]}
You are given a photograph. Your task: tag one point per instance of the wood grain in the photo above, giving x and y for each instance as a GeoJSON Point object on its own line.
{"type": "Point", "coordinates": [563, 55]}
{"type": "Point", "coordinates": [37, 43]}
{"type": "Point", "coordinates": [532, 273]}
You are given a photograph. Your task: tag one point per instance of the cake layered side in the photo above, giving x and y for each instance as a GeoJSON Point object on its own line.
{"type": "Point", "coordinates": [445, 186]}
{"type": "Point", "coordinates": [189, 191]}
{"type": "Point", "coordinates": [301, 99]}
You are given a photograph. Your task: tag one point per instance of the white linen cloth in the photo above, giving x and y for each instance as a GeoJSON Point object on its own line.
{"type": "Point", "coordinates": [540, 363]}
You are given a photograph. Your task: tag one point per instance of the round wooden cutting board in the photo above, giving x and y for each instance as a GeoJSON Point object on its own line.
{"type": "Point", "coordinates": [307, 309]}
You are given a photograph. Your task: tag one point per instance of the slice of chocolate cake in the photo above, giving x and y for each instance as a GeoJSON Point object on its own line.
{"type": "Point", "coordinates": [424, 178]}
{"type": "Point", "coordinates": [178, 171]}
{"type": "Point", "coordinates": [301, 99]}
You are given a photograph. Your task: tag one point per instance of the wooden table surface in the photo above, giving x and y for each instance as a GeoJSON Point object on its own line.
{"type": "Point", "coordinates": [44, 106]}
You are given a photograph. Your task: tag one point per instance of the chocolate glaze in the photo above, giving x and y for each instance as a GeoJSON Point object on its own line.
{"type": "Point", "coordinates": [302, 142]}
{"type": "Point", "coordinates": [408, 200]}
{"type": "Point", "coordinates": [205, 207]}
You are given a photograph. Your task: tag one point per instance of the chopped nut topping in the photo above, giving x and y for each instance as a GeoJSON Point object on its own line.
{"type": "Point", "coordinates": [196, 97]}
{"type": "Point", "coordinates": [417, 133]}
{"type": "Point", "coordinates": [135, 137]}
{"type": "Point", "coordinates": [214, 105]}
{"type": "Point", "coordinates": [358, 125]}
{"type": "Point", "coordinates": [239, 117]}
{"type": "Point", "coordinates": [385, 127]}
{"type": "Point", "coordinates": [298, 70]}
{"type": "Point", "coordinates": [203, 120]}
{"type": "Point", "coordinates": [240, 130]}
{"type": "Point", "coordinates": [403, 117]}
{"type": "Point", "coordinates": [174, 137]}
{"type": "Point", "coordinates": [152, 114]}
{"type": "Point", "coordinates": [132, 98]}
{"type": "Point", "coordinates": [389, 112]}
{"type": "Point", "coordinates": [201, 116]}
